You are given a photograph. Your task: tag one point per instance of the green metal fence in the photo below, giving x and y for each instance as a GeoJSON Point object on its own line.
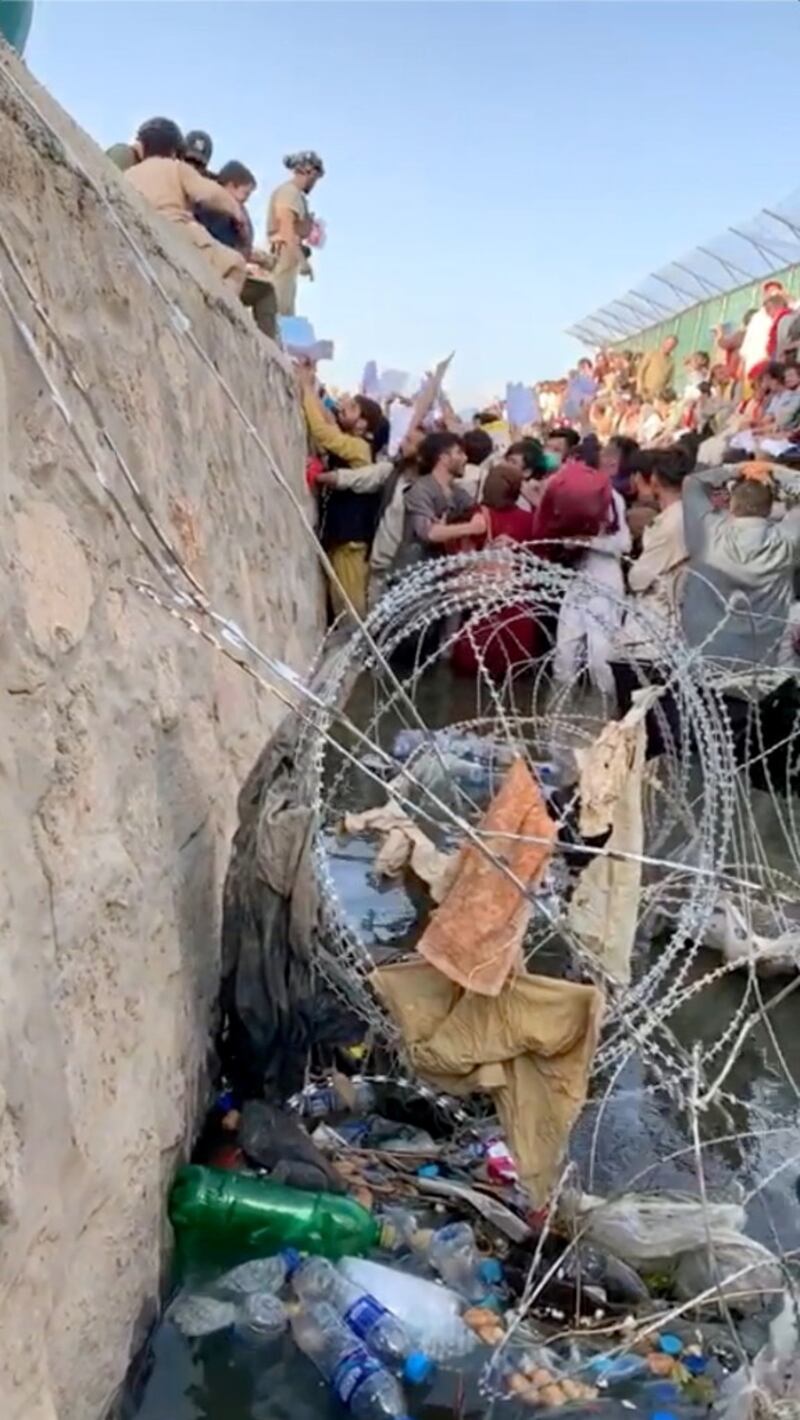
{"type": "Point", "coordinates": [693, 327]}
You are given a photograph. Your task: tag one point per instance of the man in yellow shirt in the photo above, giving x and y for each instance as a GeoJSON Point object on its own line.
{"type": "Point", "coordinates": [656, 375]}
{"type": "Point", "coordinates": [348, 520]}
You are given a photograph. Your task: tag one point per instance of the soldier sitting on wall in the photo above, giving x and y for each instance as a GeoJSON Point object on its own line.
{"type": "Point", "coordinates": [175, 189]}
{"type": "Point", "coordinates": [127, 155]}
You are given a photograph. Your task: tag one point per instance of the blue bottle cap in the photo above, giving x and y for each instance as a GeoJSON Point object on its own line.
{"type": "Point", "coordinates": [428, 1171]}
{"type": "Point", "coordinates": [490, 1271]}
{"type": "Point", "coordinates": [695, 1365]}
{"type": "Point", "coordinates": [663, 1415]}
{"type": "Point", "coordinates": [670, 1344]}
{"type": "Point", "coordinates": [292, 1259]}
{"type": "Point", "coordinates": [418, 1368]}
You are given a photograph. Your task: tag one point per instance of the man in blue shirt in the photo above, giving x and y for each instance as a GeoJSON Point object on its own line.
{"type": "Point", "coordinates": [240, 183]}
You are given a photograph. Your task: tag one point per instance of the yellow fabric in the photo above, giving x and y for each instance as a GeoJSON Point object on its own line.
{"type": "Point", "coordinates": [351, 565]}
{"type": "Point", "coordinates": [476, 935]}
{"type": "Point", "coordinates": [604, 907]}
{"type": "Point", "coordinates": [404, 846]}
{"type": "Point", "coordinates": [327, 435]}
{"type": "Point", "coordinates": [531, 1048]}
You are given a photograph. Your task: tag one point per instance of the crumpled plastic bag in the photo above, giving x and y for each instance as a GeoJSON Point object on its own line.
{"type": "Point", "coordinates": [651, 1227]}
{"type": "Point", "coordinates": [733, 1252]}
{"type": "Point", "coordinates": [734, 934]}
{"type": "Point", "coordinates": [770, 1386]}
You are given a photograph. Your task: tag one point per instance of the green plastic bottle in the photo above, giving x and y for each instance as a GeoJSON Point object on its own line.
{"type": "Point", "coordinates": [217, 1215]}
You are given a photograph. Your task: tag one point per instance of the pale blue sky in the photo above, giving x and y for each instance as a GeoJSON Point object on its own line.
{"type": "Point", "coordinates": [494, 171]}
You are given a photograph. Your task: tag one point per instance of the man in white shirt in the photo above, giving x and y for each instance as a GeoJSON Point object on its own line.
{"type": "Point", "coordinates": [655, 583]}
{"type": "Point", "coordinates": [755, 345]}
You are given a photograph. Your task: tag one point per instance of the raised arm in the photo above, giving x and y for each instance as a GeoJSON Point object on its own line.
{"type": "Point", "coordinates": [205, 191]}
{"type": "Point", "coordinates": [328, 436]}
{"type": "Point", "coordinates": [698, 508]}
{"type": "Point", "coordinates": [358, 480]}
{"type": "Point", "coordinates": [788, 481]}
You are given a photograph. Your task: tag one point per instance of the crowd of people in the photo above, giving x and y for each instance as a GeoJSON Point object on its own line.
{"type": "Point", "coordinates": [741, 392]}
{"type": "Point", "coordinates": [172, 172]}
{"type": "Point", "coordinates": [672, 492]}
{"type": "Point", "coordinates": [679, 509]}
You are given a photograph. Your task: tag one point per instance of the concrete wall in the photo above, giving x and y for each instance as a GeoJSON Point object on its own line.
{"type": "Point", "coordinates": [123, 742]}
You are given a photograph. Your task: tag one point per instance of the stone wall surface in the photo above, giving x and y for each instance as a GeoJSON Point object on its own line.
{"type": "Point", "coordinates": [124, 738]}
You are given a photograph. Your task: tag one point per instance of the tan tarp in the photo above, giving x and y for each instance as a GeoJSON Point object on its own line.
{"type": "Point", "coordinates": [476, 935]}
{"type": "Point", "coordinates": [404, 845]}
{"type": "Point", "coordinates": [604, 908]}
{"type": "Point", "coordinates": [531, 1048]}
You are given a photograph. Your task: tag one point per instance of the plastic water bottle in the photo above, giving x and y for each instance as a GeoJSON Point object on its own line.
{"type": "Point", "coordinates": [265, 1275]}
{"type": "Point", "coordinates": [262, 1318]}
{"type": "Point", "coordinates": [452, 1252]}
{"type": "Point", "coordinates": [430, 1313]}
{"type": "Point", "coordinates": [321, 1100]}
{"type": "Point", "coordinates": [197, 1315]}
{"type": "Point", "coordinates": [317, 1280]}
{"type": "Point", "coordinates": [357, 1379]}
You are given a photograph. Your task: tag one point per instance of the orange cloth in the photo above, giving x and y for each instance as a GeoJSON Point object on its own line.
{"type": "Point", "coordinates": [475, 937]}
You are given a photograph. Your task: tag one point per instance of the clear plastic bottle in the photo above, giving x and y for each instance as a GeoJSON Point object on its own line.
{"type": "Point", "coordinates": [320, 1100]}
{"type": "Point", "coordinates": [357, 1379]}
{"type": "Point", "coordinates": [317, 1280]}
{"type": "Point", "coordinates": [261, 1318]}
{"type": "Point", "coordinates": [430, 1312]}
{"type": "Point", "coordinates": [451, 1251]}
{"type": "Point", "coordinates": [265, 1275]}
{"type": "Point", "coordinates": [197, 1315]}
